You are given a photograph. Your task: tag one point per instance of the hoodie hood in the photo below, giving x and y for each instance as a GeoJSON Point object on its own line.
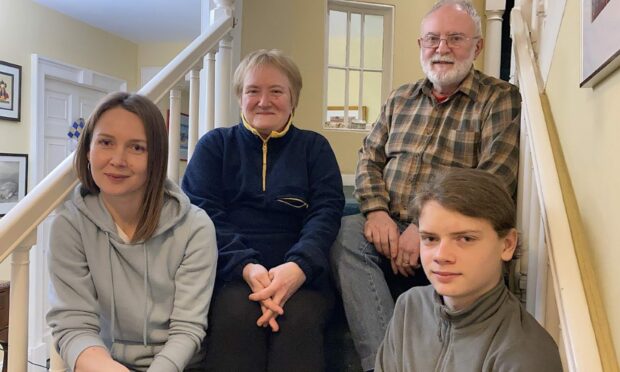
{"type": "Point", "coordinates": [176, 206]}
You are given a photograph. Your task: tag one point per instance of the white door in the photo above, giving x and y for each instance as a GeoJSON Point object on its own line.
{"type": "Point", "coordinates": [63, 104]}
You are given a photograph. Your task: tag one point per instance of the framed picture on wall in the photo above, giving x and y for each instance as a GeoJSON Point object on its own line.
{"type": "Point", "coordinates": [13, 180]}
{"type": "Point", "coordinates": [184, 135]}
{"type": "Point", "coordinates": [10, 91]}
{"type": "Point", "coordinates": [600, 43]}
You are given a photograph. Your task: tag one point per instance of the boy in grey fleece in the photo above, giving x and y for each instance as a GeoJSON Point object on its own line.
{"type": "Point", "coordinates": [132, 263]}
{"type": "Point", "coordinates": [467, 320]}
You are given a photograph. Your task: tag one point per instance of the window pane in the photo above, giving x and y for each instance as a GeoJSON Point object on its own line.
{"type": "Point", "coordinates": [335, 87]}
{"type": "Point", "coordinates": [373, 41]}
{"type": "Point", "coordinates": [354, 87]}
{"type": "Point", "coordinates": [337, 37]}
{"type": "Point", "coordinates": [372, 95]}
{"type": "Point", "coordinates": [355, 40]}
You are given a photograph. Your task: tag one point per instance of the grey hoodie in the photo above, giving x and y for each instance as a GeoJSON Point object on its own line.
{"type": "Point", "coordinates": [146, 302]}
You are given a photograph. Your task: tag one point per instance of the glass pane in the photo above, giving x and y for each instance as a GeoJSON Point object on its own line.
{"type": "Point", "coordinates": [354, 87]}
{"type": "Point", "coordinates": [373, 41]}
{"type": "Point", "coordinates": [355, 40]}
{"type": "Point", "coordinates": [372, 95]}
{"type": "Point", "coordinates": [335, 87]}
{"type": "Point", "coordinates": [337, 38]}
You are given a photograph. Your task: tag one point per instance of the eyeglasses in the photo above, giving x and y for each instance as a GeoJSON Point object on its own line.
{"type": "Point", "coordinates": [452, 41]}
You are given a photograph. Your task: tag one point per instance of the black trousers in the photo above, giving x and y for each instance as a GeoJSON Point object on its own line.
{"type": "Point", "coordinates": [235, 343]}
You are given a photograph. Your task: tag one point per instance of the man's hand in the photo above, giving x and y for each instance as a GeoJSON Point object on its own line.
{"type": "Point", "coordinates": [408, 252]}
{"type": "Point", "coordinates": [285, 281]}
{"type": "Point", "coordinates": [382, 231]}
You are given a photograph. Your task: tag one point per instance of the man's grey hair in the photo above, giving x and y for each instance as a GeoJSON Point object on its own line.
{"type": "Point", "coordinates": [464, 5]}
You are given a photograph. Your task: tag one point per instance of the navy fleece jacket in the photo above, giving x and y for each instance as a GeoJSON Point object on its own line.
{"type": "Point", "coordinates": [272, 201]}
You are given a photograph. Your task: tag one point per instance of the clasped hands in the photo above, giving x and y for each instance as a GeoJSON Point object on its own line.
{"type": "Point", "coordinates": [403, 250]}
{"type": "Point", "coordinates": [272, 288]}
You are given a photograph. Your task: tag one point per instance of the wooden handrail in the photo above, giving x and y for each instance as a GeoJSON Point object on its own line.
{"type": "Point", "coordinates": [579, 330]}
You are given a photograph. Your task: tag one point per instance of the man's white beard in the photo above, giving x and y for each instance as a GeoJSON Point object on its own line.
{"type": "Point", "coordinates": [453, 76]}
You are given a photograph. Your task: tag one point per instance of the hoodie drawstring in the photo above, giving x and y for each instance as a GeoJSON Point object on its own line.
{"type": "Point", "coordinates": [112, 310]}
{"type": "Point", "coordinates": [146, 294]}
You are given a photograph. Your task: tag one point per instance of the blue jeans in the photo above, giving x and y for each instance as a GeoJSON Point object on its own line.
{"type": "Point", "coordinates": [368, 287]}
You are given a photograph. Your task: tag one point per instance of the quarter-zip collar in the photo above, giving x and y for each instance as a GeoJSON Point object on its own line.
{"type": "Point", "coordinates": [273, 134]}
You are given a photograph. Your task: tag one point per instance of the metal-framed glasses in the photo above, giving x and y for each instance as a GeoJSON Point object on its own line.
{"type": "Point", "coordinates": [452, 41]}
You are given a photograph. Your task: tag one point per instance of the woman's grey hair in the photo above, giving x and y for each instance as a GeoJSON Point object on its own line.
{"type": "Point", "coordinates": [465, 6]}
{"type": "Point", "coordinates": [270, 57]}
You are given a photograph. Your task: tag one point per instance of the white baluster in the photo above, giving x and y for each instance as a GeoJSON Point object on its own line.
{"type": "Point", "coordinates": [222, 83]}
{"type": "Point", "coordinates": [194, 87]}
{"type": "Point", "coordinates": [56, 362]}
{"type": "Point", "coordinates": [493, 40]}
{"type": "Point", "coordinates": [209, 62]}
{"type": "Point", "coordinates": [18, 307]}
{"type": "Point", "coordinates": [174, 133]}
{"type": "Point", "coordinates": [223, 67]}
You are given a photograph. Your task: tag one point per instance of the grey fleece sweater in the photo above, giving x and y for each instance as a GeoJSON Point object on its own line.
{"type": "Point", "coordinates": [147, 302]}
{"type": "Point", "coordinates": [493, 334]}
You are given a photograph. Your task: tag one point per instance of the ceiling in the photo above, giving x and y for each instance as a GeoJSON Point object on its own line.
{"type": "Point", "coordinates": [140, 21]}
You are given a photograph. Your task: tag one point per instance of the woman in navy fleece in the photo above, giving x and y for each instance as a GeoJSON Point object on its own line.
{"type": "Point", "coordinates": [275, 195]}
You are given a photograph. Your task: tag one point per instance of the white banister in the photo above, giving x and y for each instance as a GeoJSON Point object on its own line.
{"type": "Point", "coordinates": [577, 328]}
{"type": "Point", "coordinates": [174, 132]}
{"type": "Point", "coordinates": [210, 96]}
{"type": "Point", "coordinates": [223, 82]}
{"type": "Point", "coordinates": [18, 306]}
{"type": "Point", "coordinates": [194, 105]}
{"type": "Point", "coordinates": [494, 10]}
{"type": "Point", "coordinates": [189, 57]}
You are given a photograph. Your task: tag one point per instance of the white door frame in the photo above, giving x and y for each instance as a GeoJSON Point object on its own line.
{"type": "Point", "coordinates": [42, 69]}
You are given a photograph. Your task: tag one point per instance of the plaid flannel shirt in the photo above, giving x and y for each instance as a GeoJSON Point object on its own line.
{"type": "Point", "coordinates": [416, 137]}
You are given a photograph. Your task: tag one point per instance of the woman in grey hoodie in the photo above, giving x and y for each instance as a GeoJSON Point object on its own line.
{"type": "Point", "coordinates": [132, 262]}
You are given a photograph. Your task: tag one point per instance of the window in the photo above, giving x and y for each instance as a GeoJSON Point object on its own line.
{"type": "Point", "coordinates": [359, 60]}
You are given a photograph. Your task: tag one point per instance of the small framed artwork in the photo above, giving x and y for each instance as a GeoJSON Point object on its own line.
{"type": "Point", "coordinates": [13, 180]}
{"type": "Point", "coordinates": [10, 91]}
{"type": "Point", "coordinates": [184, 135]}
{"type": "Point", "coordinates": [600, 45]}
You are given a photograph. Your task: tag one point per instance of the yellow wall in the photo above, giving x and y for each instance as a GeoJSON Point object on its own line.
{"type": "Point", "coordinates": [588, 122]}
{"type": "Point", "coordinates": [297, 27]}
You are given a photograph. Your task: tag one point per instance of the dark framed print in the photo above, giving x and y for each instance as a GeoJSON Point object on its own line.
{"type": "Point", "coordinates": [600, 41]}
{"type": "Point", "coordinates": [10, 91]}
{"type": "Point", "coordinates": [13, 180]}
{"type": "Point", "coordinates": [183, 136]}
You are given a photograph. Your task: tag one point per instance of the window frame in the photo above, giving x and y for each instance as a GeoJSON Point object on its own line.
{"type": "Point", "coordinates": [387, 12]}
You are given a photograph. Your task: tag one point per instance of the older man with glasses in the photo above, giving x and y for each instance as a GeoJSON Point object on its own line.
{"type": "Point", "coordinates": [455, 117]}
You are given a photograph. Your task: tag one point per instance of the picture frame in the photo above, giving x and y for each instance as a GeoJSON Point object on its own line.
{"type": "Point", "coordinates": [184, 135]}
{"type": "Point", "coordinates": [600, 45]}
{"type": "Point", "coordinates": [184, 140]}
{"type": "Point", "coordinates": [13, 180]}
{"type": "Point", "coordinates": [10, 91]}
